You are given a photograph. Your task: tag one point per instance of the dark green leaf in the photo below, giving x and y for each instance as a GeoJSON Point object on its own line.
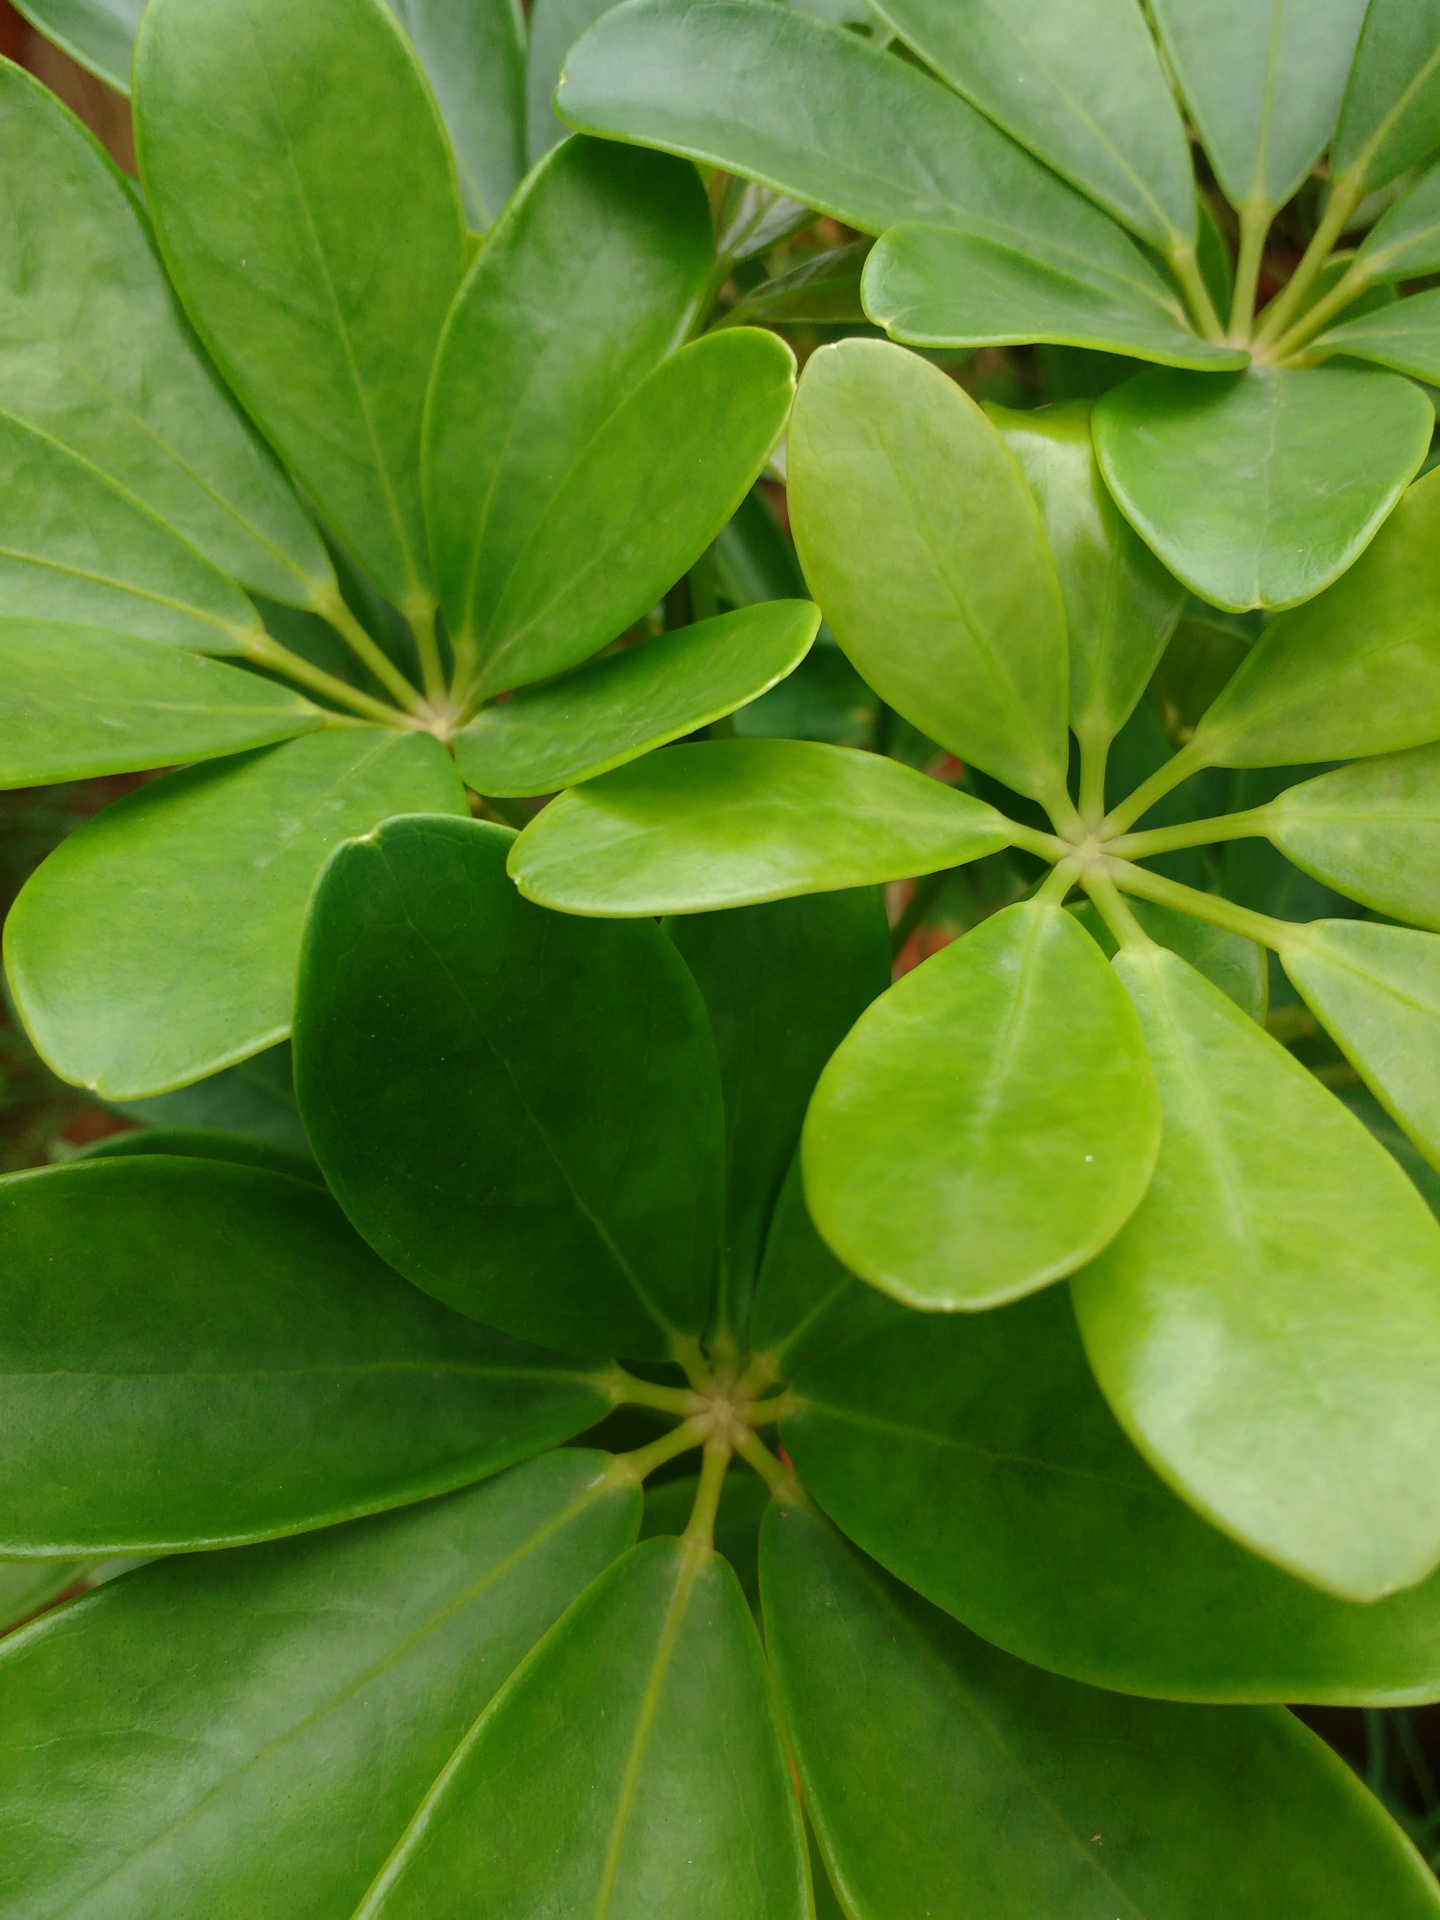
{"type": "Point", "coordinates": [754, 559]}
{"type": "Point", "coordinates": [1405, 242]}
{"type": "Point", "coordinates": [823, 290]}
{"type": "Point", "coordinates": [204, 1143]}
{"type": "Point", "coordinates": [555, 26]}
{"type": "Point", "coordinates": [1404, 335]}
{"type": "Point", "coordinates": [743, 1500]}
{"type": "Point", "coordinates": [474, 56]}
{"type": "Point", "coordinates": [1371, 831]}
{"type": "Point", "coordinates": [1198, 664]}
{"type": "Point", "coordinates": [1391, 114]}
{"type": "Point", "coordinates": [1228, 961]}
{"type": "Point", "coordinates": [254, 1098]}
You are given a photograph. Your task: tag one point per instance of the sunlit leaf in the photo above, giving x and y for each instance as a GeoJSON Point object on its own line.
{"type": "Point", "coordinates": [1371, 831]}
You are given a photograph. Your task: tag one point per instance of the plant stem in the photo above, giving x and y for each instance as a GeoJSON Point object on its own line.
{"type": "Point", "coordinates": [1049, 846]}
{"type": "Point", "coordinates": [640, 1464]}
{"type": "Point", "coordinates": [779, 1478]}
{"type": "Point", "coordinates": [1210, 907]}
{"type": "Point", "coordinates": [1094, 752]}
{"type": "Point", "coordinates": [1186, 268]}
{"type": "Point", "coordinates": [1180, 766]}
{"type": "Point", "coordinates": [1058, 882]}
{"type": "Point", "coordinates": [700, 1532]}
{"type": "Point", "coordinates": [761, 1413]}
{"type": "Point", "coordinates": [627, 1389]}
{"type": "Point", "coordinates": [1251, 825]}
{"type": "Point", "coordinates": [1062, 810]}
{"type": "Point", "coordinates": [1344, 197]}
{"type": "Point", "coordinates": [1254, 228]}
{"type": "Point", "coordinates": [1351, 284]}
{"type": "Point", "coordinates": [1117, 916]}
{"type": "Point", "coordinates": [422, 625]}
{"type": "Point", "coordinates": [687, 1352]}
{"type": "Point", "coordinates": [367, 650]}
{"type": "Point", "coordinates": [266, 651]}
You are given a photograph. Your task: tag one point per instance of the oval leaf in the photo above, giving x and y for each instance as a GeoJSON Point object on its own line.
{"type": "Point", "coordinates": [1371, 831]}
{"type": "Point", "coordinates": [1391, 113]}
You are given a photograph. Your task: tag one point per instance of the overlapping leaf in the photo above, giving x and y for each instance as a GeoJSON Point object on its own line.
{"type": "Point", "coordinates": [1404, 336]}
{"type": "Point", "coordinates": [1390, 117]}
{"type": "Point", "coordinates": [1405, 242]}
{"type": "Point", "coordinates": [474, 57]}
{"type": "Point", "coordinates": [1371, 830]}
{"type": "Point", "coordinates": [205, 1143]}
{"type": "Point", "coordinates": [555, 26]}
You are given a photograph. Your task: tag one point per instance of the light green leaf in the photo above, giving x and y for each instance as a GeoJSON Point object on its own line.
{"type": "Point", "coordinates": [1391, 113]}
{"type": "Point", "coordinates": [521, 1112]}
{"type": "Point", "coordinates": [114, 374]}
{"type": "Point", "coordinates": [555, 26]}
{"type": "Point", "coordinates": [592, 277]}
{"type": "Point", "coordinates": [320, 291]}
{"type": "Point", "coordinates": [255, 1098]}
{"type": "Point", "coordinates": [736, 822]}
{"type": "Point", "coordinates": [1405, 242]}
{"type": "Point", "coordinates": [1404, 336]}
{"type": "Point", "coordinates": [159, 942]}
{"type": "Point", "coordinates": [1371, 831]}
{"type": "Point", "coordinates": [615, 709]}
{"type": "Point", "coordinates": [75, 702]}
{"type": "Point", "coordinates": [925, 551]}
{"type": "Point", "coordinates": [1228, 961]}
{"type": "Point", "coordinates": [298, 1698]}
{"type": "Point", "coordinates": [1121, 605]}
{"type": "Point", "coordinates": [204, 1143]}
{"type": "Point", "coordinates": [991, 1122]}
{"type": "Point", "coordinates": [633, 1766]}
{"type": "Point", "coordinates": [197, 1354]}
{"type": "Point", "coordinates": [1267, 1326]}
{"type": "Point", "coordinates": [1264, 83]}
{"type": "Point", "coordinates": [976, 1459]}
{"type": "Point", "coordinates": [474, 56]}
{"type": "Point", "coordinates": [1259, 491]}
{"type": "Point", "coordinates": [946, 1779]}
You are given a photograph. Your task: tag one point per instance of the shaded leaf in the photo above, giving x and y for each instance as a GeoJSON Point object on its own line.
{"type": "Point", "coordinates": [1404, 335]}
{"type": "Point", "coordinates": [555, 26]}
{"type": "Point", "coordinates": [204, 1143]}
{"type": "Point", "coordinates": [474, 57]}
{"type": "Point", "coordinates": [255, 1098]}
{"type": "Point", "coordinates": [825, 290]}
{"type": "Point", "coordinates": [1371, 831]}
{"type": "Point", "coordinates": [98, 33]}
{"type": "Point", "coordinates": [1390, 117]}
{"type": "Point", "coordinates": [1405, 241]}
{"type": "Point", "coordinates": [743, 1500]}
{"type": "Point", "coordinates": [28, 1585]}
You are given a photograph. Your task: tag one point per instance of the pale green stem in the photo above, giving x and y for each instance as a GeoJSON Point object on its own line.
{"type": "Point", "coordinates": [627, 1389]}
{"type": "Point", "coordinates": [427, 645]}
{"type": "Point", "coordinates": [762, 1372]}
{"type": "Point", "coordinates": [1062, 811]}
{"type": "Point", "coordinates": [1094, 752]}
{"type": "Point", "coordinates": [644, 1461]}
{"type": "Point", "coordinates": [780, 1480]}
{"type": "Point", "coordinates": [1347, 289]}
{"type": "Point", "coordinates": [1251, 825]}
{"type": "Point", "coordinates": [1254, 227]}
{"type": "Point", "coordinates": [687, 1352]}
{"type": "Point", "coordinates": [1117, 916]}
{"type": "Point", "coordinates": [1344, 198]}
{"type": "Point", "coordinates": [1188, 760]}
{"type": "Point", "coordinates": [367, 650]}
{"type": "Point", "coordinates": [700, 1532]}
{"type": "Point", "coordinates": [1280, 934]}
{"type": "Point", "coordinates": [1186, 267]}
{"type": "Point", "coordinates": [763, 1413]}
{"type": "Point", "coordinates": [1049, 846]}
{"type": "Point", "coordinates": [1058, 882]}
{"type": "Point", "coordinates": [266, 651]}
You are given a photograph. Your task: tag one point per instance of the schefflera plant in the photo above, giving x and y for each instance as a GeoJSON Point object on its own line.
{"type": "Point", "coordinates": [405, 1656]}
{"type": "Point", "coordinates": [513, 465]}
{"type": "Point", "coordinates": [1256, 1281]}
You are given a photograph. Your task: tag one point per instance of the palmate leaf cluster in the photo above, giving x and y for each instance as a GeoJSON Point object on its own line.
{"type": "Point", "coordinates": [615, 1145]}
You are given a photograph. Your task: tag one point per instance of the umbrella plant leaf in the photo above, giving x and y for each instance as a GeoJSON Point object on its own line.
{"type": "Point", "coordinates": [1228, 960]}
{"type": "Point", "coordinates": [1405, 242]}
{"type": "Point", "coordinates": [590, 279]}
{"type": "Point", "coordinates": [116, 377]}
{"type": "Point", "coordinates": [204, 1143]}
{"type": "Point", "coordinates": [824, 289]}
{"type": "Point", "coordinates": [617, 708]}
{"type": "Point", "coordinates": [198, 1354]}
{"type": "Point", "coordinates": [991, 1122]}
{"type": "Point", "coordinates": [255, 1098]}
{"type": "Point", "coordinates": [1259, 490]}
{"type": "Point", "coordinates": [944, 1777]}
{"type": "Point", "coordinates": [319, 291]}
{"type": "Point", "coordinates": [1121, 606]}
{"type": "Point", "coordinates": [1284, 1247]}
{"type": "Point", "coordinates": [76, 702]}
{"type": "Point", "coordinates": [975, 1457]}
{"type": "Point", "coordinates": [1390, 117]}
{"type": "Point", "coordinates": [1371, 831]}
{"type": "Point", "coordinates": [299, 1698]}
{"type": "Point", "coordinates": [100, 34]}
{"type": "Point", "coordinates": [159, 942]}
{"type": "Point", "coordinates": [1264, 84]}
{"type": "Point", "coordinates": [520, 1111]}
{"type": "Point", "coordinates": [1404, 336]}
{"type": "Point", "coordinates": [555, 26]}
{"type": "Point", "coordinates": [926, 553]}
{"type": "Point", "coordinates": [743, 1500]}
{"type": "Point", "coordinates": [822, 958]}
{"type": "Point", "coordinates": [633, 1765]}
{"type": "Point", "coordinates": [474, 58]}
{"type": "Point", "coordinates": [732, 823]}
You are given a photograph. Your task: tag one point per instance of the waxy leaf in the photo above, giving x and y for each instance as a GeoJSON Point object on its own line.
{"type": "Point", "coordinates": [975, 1458]}
{"type": "Point", "coordinates": [632, 1766]}
{"type": "Point", "coordinates": [990, 1123]}
{"type": "Point", "coordinates": [555, 26]}
{"type": "Point", "coordinates": [520, 1111]}
{"type": "Point", "coordinates": [1391, 113]}
{"type": "Point", "coordinates": [925, 551]}
{"type": "Point", "coordinates": [1267, 1326]}
{"type": "Point", "coordinates": [946, 1779]}
{"type": "Point", "coordinates": [731, 823]}
{"type": "Point", "coordinates": [114, 374]}
{"type": "Point", "coordinates": [474, 58]}
{"type": "Point", "coordinates": [159, 942]}
{"type": "Point", "coordinates": [615, 709]}
{"type": "Point", "coordinates": [320, 290]}
{"type": "Point", "coordinates": [1371, 831]}
{"type": "Point", "coordinates": [97, 33]}
{"type": "Point", "coordinates": [27, 1586]}
{"type": "Point", "coordinates": [299, 1699]}
{"type": "Point", "coordinates": [205, 1143]}
{"type": "Point", "coordinates": [1405, 242]}
{"type": "Point", "coordinates": [76, 702]}
{"type": "Point", "coordinates": [1259, 490]}
{"type": "Point", "coordinates": [1264, 84]}
{"type": "Point", "coordinates": [198, 1354]}
{"type": "Point", "coordinates": [1121, 605]}
{"type": "Point", "coordinates": [1404, 336]}
{"type": "Point", "coordinates": [255, 1098]}
{"type": "Point", "coordinates": [591, 278]}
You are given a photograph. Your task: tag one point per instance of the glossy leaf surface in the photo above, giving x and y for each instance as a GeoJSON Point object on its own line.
{"type": "Point", "coordinates": [619, 707]}
{"type": "Point", "coordinates": [1391, 113]}
{"type": "Point", "coordinates": [1267, 1326]}
{"type": "Point", "coordinates": [97, 33]}
{"type": "Point", "coordinates": [299, 1699]}
{"type": "Point", "coordinates": [925, 551]}
{"type": "Point", "coordinates": [555, 26]}
{"type": "Point", "coordinates": [28, 1585]}
{"type": "Point", "coordinates": [1259, 490]}
{"type": "Point", "coordinates": [1406, 241]}
{"type": "Point", "coordinates": [632, 1767]}
{"type": "Point", "coordinates": [205, 1143]}
{"type": "Point", "coordinates": [946, 1779]}
{"type": "Point", "coordinates": [731, 823]}
{"type": "Point", "coordinates": [975, 1457]}
{"type": "Point", "coordinates": [76, 702]}
{"type": "Point", "coordinates": [159, 942]}
{"type": "Point", "coordinates": [1371, 831]}
{"type": "Point", "coordinates": [266, 1375]}
{"type": "Point", "coordinates": [474, 58]}
{"type": "Point", "coordinates": [990, 1123]}
{"type": "Point", "coordinates": [320, 291]}
{"type": "Point", "coordinates": [1404, 336]}
{"type": "Point", "coordinates": [520, 1111]}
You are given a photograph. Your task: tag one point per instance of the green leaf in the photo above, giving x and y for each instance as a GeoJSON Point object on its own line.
{"type": "Point", "coordinates": [733, 823]}
{"type": "Point", "coordinates": [754, 559]}
{"type": "Point", "coordinates": [1404, 336]}
{"type": "Point", "coordinates": [204, 1143]}
{"type": "Point", "coordinates": [1352, 672]}
{"type": "Point", "coordinates": [783, 984]}
{"type": "Point", "coordinates": [976, 1459]}
{"type": "Point", "coordinates": [159, 942]}
{"type": "Point", "coordinates": [1264, 85]}
{"type": "Point", "coordinates": [1371, 831]}
{"type": "Point", "coordinates": [319, 291]}
{"type": "Point", "coordinates": [925, 551]}
{"type": "Point", "coordinates": [592, 277]}
{"type": "Point", "coordinates": [255, 1098]}
{"type": "Point", "coordinates": [1080, 86]}
{"type": "Point", "coordinates": [115, 375]}
{"type": "Point", "coordinates": [97, 33]}
{"type": "Point", "coordinates": [1391, 113]}
{"type": "Point", "coordinates": [1200, 661]}
{"type": "Point", "coordinates": [28, 1585]}
{"type": "Point", "coordinates": [1405, 242]}
{"type": "Point", "coordinates": [617, 708]}
{"type": "Point", "coordinates": [474, 57]}
{"type": "Point", "coordinates": [1267, 1326]}
{"type": "Point", "coordinates": [520, 1111]}
{"type": "Point", "coordinates": [298, 1698]}
{"type": "Point", "coordinates": [945, 1777]}
{"type": "Point", "coordinates": [633, 1765]}
{"type": "Point", "coordinates": [823, 290]}
{"type": "Point", "coordinates": [75, 702]}
{"type": "Point", "coordinates": [990, 1124]}
{"type": "Point", "coordinates": [198, 1354]}
{"type": "Point", "coordinates": [555, 26]}
{"type": "Point", "coordinates": [1259, 491]}
{"type": "Point", "coordinates": [1227, 960]}
{"type": "Point", "coordinates": [1121, 605]}
{"type": "Point", "coordinates": [743, 1500]}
